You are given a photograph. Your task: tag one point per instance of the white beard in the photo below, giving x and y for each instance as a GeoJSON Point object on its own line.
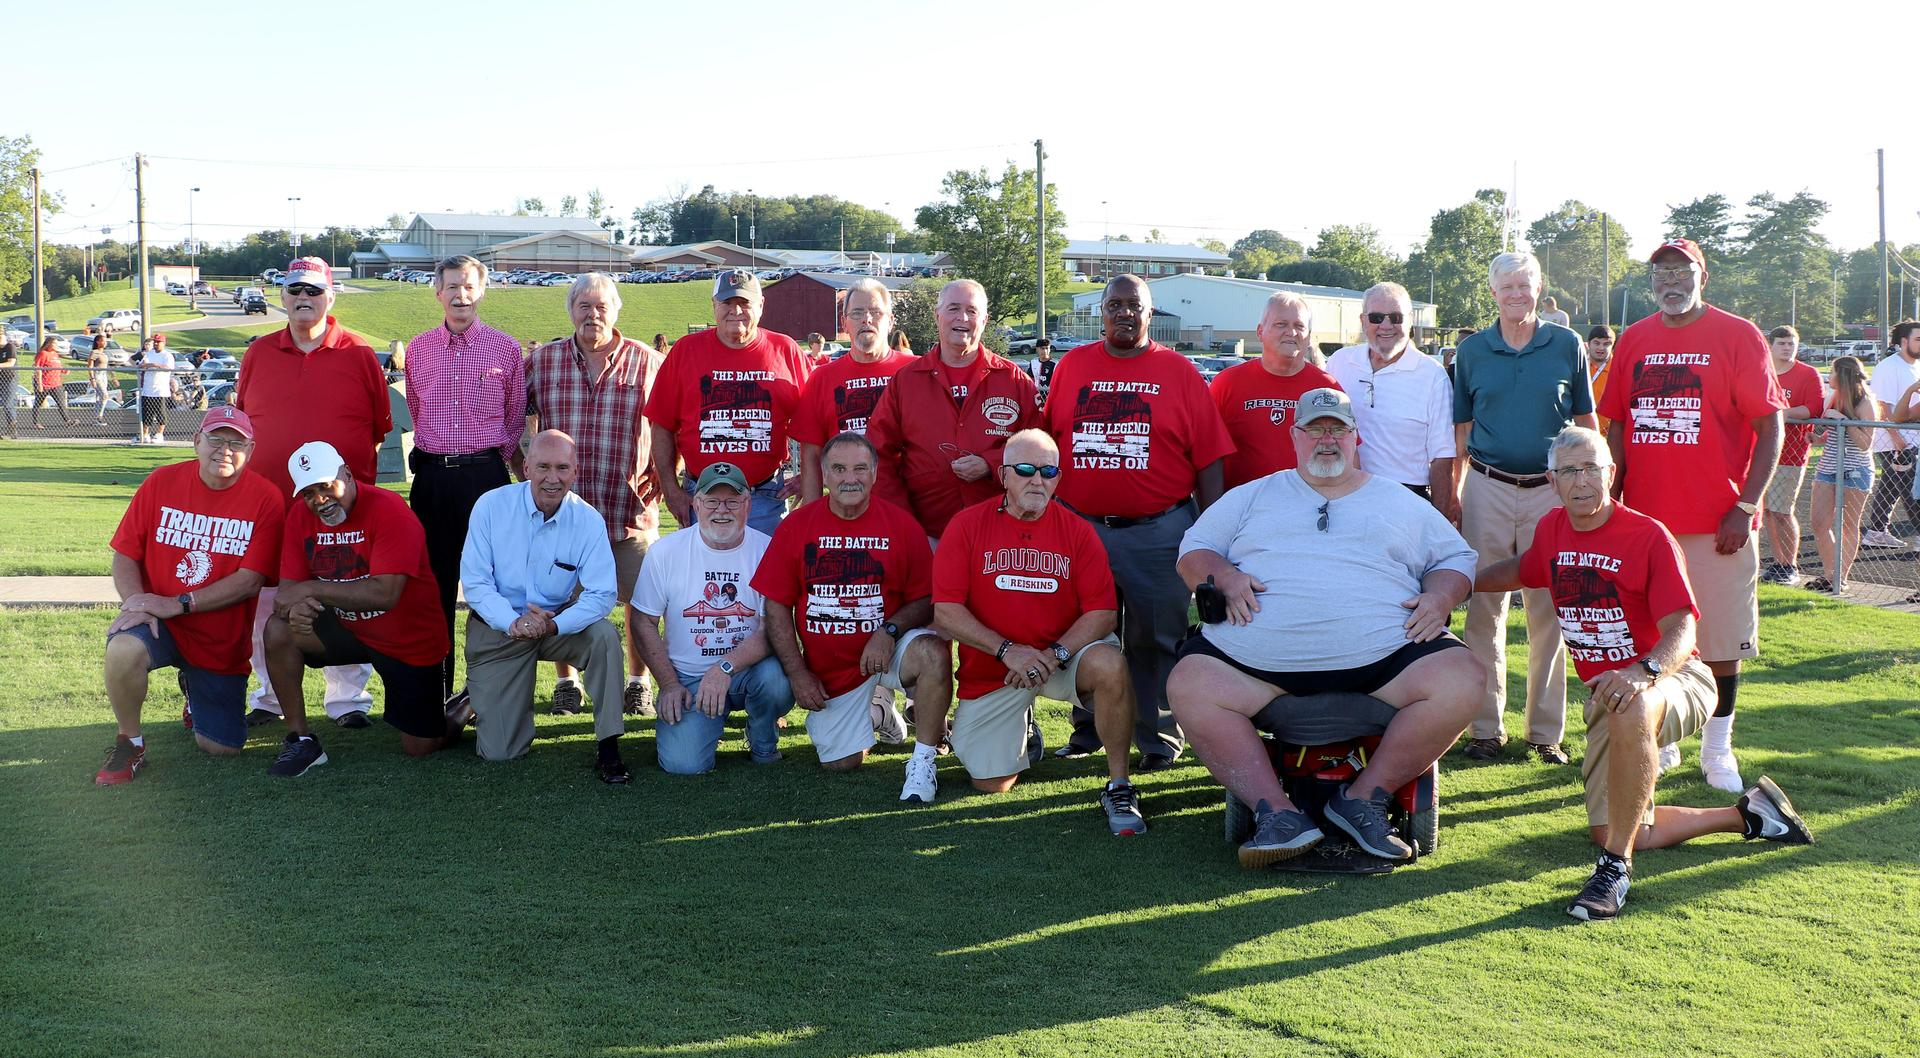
{"type": "Point", "coordinates": [1326, 466]}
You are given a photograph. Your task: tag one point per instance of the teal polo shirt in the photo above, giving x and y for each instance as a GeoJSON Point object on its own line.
{"type": "Point", "coordinates": [1518, 399]}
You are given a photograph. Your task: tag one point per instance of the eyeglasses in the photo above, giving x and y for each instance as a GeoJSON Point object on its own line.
{"type": "Point", "coordinates": [1027, 470]}
{"type": "Point", "coordinates": [1589, 470]}
{"type": "Point", "coordinates": [866, 314]}
{"type": "Point", "coordinates": [306, 290]}
{"type": "Point", "coordinates": [722, 505]}
{"type": "Point", "coordinates": [1322, 433]}
{"type": "Point", "coordinates": [1672, 275]}
{"type": "Point", "coordinates": [1322, 523]}
{"type": "Point", "coordinates": [222, 444]}
{"type": "Point", "coordinates": [1377, 318]}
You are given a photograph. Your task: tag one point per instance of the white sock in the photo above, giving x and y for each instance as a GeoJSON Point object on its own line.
{"type": "Point", "coordinates": [1716, 739]}
{"type": "Point", "coordinates": [921, 749]}
{"type": "Point", "coordinates": [631, 680]}
{"type": "Point", "coordinates": [138, 740]}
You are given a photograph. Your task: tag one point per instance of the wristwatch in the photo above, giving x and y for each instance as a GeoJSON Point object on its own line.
{"type": "Point", "coordinates": [1001, 654]}
{"type": "Point", "coordinates": [726, 666]}
{"type": "Point", "coordinates": [1751, 508]}
{"type": "Point", "coordinates": [1060, 653]}
{"type": "Point", "coordinates": [1652, 666]}
{"type": "Point", "coordinates": [185, 601]}
{"type": "Point", "coordinates": [891, 629]}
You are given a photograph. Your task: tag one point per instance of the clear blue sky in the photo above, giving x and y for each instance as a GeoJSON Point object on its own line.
{"type": "Point", "coordinates": [1201, 119]}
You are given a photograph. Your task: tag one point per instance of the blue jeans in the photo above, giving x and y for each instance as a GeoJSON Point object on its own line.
{"type": "Point", "coordinates": [1858, 479]}
{"type": "Point", "coordinates": [689, 747]}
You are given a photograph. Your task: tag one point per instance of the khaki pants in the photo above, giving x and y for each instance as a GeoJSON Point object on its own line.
{"type": "Point", "coordinates": [1689, 697]}
{"type": "Point", "coordinates": [1498, 520]}
{"type": "Point", "coordinates": [500, 674]}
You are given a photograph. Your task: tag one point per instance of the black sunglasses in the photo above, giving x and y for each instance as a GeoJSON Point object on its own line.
{"type": "Point", "coordinates": [305, 290]}
{"type": "Point", "coordinates": [1377, 318]}
{"type": "Point", "coordinates": [1027, 470]}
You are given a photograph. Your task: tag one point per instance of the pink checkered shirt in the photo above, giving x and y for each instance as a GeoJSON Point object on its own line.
{"type": "Point", "coordinates": [467, 391]}
{"type": "Point", "coordinates": [614, 441]}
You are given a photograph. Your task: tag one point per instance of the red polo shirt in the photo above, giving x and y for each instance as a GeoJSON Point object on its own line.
{"type": "Point", "coordinates": [336, 394]}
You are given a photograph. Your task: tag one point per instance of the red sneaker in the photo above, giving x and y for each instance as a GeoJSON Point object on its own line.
{"type": "Point", "coordinates": [123, 761]}
{"type": "Point", "coordinates": [186, 717]}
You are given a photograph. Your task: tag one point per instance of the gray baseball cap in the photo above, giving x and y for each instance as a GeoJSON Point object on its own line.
{"type": "Point", "coordinates": [718, 474]}
{"type": "Point", "coordinates": [736, 283]}
{"type": "Point", "coordinates": [1323, 403]}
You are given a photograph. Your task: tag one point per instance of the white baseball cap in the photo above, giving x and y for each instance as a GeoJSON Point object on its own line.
{"type": "Point", "coordinates": [312, 463]}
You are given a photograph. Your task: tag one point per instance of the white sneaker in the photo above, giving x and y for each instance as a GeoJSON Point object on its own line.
{"type": "Point", "coordinates": [920, 785]}
{"type": "Point", "coordinates": [1722, 772]}
{"type": "Point", "coordinates": [888, 725]}
{"type": "Point", "coordinates": [1669, 758]}
{"type": "Point", "coordinates": [1881, 538]}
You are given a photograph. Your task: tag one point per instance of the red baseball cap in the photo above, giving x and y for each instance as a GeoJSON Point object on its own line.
{"type": "Point", "coordinates": [1683, 246]}
{"type": "Point", "coordinates": [310, 270]}
{"type": "Point", "coordinates": [228, 417]}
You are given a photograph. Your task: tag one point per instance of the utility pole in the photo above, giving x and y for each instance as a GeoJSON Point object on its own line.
{"type": "Point", "coordinates": [39, 275]}
{"type": "Point", "coordinates": [140, 235]}
{"type": "Point", "coordinates": [1606, 275]}
{"type": "Point", "coordinates": [1885, 333]}
{"type": "Point", "coordinates": [193, 248]}
{"type": "Point", "coordinates": [1040, 238]}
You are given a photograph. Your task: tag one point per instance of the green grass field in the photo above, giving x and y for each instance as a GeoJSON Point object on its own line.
{"type": "Point", "coordinates": [388, 906]}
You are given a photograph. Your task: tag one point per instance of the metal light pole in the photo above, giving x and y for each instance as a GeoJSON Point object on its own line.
{"type": "Point", "coordinates": [1836, 310]}
{"type": "Point", "coordinates": [1040, 237]}
{"type": "Point", "coordinates": [193, 248]}
{"type": "Point", "coordinates": [1106, 235]}
{"type": "Point", "coordinates": [753, 223]}
{"type": "Point", "coordinates": [293, 233]}
{"type": "Point", "coordinates": [736, 229]}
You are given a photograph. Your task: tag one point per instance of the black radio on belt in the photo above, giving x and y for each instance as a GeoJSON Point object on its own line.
{"type": "Point", "coordinates": [1210, 601]}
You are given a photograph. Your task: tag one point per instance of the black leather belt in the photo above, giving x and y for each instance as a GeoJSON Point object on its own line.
{"type": "Point", "coordinates": [488, 455]}
{"type": "Point", "coordinates": [1114, 521]}
{"type": "Point", "coordinates": [1525, 481]}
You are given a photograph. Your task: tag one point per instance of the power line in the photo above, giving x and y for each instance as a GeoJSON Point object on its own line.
{"type": "Point", "coordinates": [370, 167]}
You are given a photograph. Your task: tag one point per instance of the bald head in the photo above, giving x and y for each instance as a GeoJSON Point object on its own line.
{"type": "Point", "coordinates": [550, 470]}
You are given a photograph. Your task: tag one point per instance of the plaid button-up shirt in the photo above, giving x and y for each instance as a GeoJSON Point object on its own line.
{"type": "Point", "coordinates": [467, 392]}
{"type": "Point", "coordinates": [613, 440]}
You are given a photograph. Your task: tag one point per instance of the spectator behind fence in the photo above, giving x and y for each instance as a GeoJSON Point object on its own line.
{"type": "Point", "coordinates": [48, 382]}
{"type": "Point", "coordinates": [101, 382]}
{"type": "Point", "coordinates": [156, 389]}
{"type": "Point", "coordinates": [1620, 591]}
{"type": "Point", "coordinates": [9, 358]}
{"type": "Point", "coordinates": [1806, 398]}
{"type": "Point", "coordinates": [1696, 416]}
{"type": "Point", "coordinates": [1893, 450]}
{"type": "Point", "coordinates": [1850, 400]}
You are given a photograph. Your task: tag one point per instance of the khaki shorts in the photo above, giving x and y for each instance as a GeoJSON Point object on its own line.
{"type": "Point", "coordinates": [1690, 698]}
{"type": "Point", "coordinates": [628, 554]}
{"type": "Point", "coordinates": [1784, 488]}
{"type": "Point", "coordinates": [844, 726]}
{"type": "Point", "coordinates": [1725, 588]}
{"type": "Point", "coordinates": [989, 733]}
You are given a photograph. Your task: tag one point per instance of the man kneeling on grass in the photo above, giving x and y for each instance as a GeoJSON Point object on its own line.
{"type": "Point", "coordinates": [189, 558]}
{"type": "Point", "coordinates": [1628, 617]}
{"type": "Point", "coordinates": [355, 588]}
{"type": "Point", "coordinates": [1025, 588]}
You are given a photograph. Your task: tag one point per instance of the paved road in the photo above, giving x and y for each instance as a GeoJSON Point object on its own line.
{"type": "Point", "coordinates": [222, 312]}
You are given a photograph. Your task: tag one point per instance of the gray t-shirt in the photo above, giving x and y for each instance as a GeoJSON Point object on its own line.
{"type": "Point", "coordinates": [1333, 598]}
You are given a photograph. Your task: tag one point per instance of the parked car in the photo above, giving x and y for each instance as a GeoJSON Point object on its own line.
{"type": "Point", "coordinates": [24, 322]}
{"type": "Point", "coordinates": [177, 289]}
{"type": "Point", "coordinates": [82, 349]}
{"type": "Point", "coordinates": [79, 395]}
{"type": "Point", "coordinates": [254, 302]}
{"type": "Point", "coordinates": [201, 286]}
{"type": "Point", "coordinates": [225, 368]}
{"type": "Point", "coordinates": [115, 320]}
{"type": "Point", "coordinates": [219, 393]}
{"type": "Point", "coordinates": [241, 294]}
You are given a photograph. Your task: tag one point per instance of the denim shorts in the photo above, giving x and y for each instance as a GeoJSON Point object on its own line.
{"type": "Point", "coordinates": [218, 703]}
{"type": "Point", "coordinates": [1859, 479]}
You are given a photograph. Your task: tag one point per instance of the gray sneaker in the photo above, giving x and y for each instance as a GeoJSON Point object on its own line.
{"type": "Point", "coordinates": [1122, 804]}
{"type": "Point", "coordinates": [1365, 821]}
{"type": "Point", "coordinates": [1770, 816]}
{"type": "Point", "coordinates": [1278, 834]}
{"type": "Point", "coordinates": [637, 699]}
{"type": "Point", "coordinates": [566, 699]}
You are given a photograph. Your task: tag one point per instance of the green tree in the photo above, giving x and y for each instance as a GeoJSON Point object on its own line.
{"type": "Point", "coordinates": [396, 223]}
{"type": "Point", "coordinates": [534, 206]}
{"type": "Point", "coordinates": [569, 205]}
{"type": "Point", "coordinates": [1216, 245]}
{"type": "Point", "coordinates": [1278, 249]}
{"type": "Point", "coordinates": [596, 204]}
{"type": "Point", "coordinates": [1452, 263]}
{"type": "Point", "coordinates": [1782, 266]}
{"type": "Point", "coordinates": [1357, 247]}
{"type": "Point", "coordinates": [987, 225]}
{"type": "Point", "coordinates": [18, 157]}
{"type": "Point", "coordinates": [1708, 222]}
{"type": "Point", "coordinates": [1153, 235]}
{"type": "Point", "coordinates": [1570, 246]}
{"type": "Point", "coordinates": [1255, 262]}
{"type": "Point", "coordinates": [1314, 271]}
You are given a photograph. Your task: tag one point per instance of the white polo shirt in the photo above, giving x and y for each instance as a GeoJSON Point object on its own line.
{"type": "Point", "coordinates": [1404, 411]}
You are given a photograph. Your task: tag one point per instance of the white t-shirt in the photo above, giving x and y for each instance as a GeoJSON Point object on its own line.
{"type": "Point", "coordinates": [158, 383]}
{"type": "Point", "coordinates": [705, 595]}
{"type": "Point", "coordinates": [1891, 377]}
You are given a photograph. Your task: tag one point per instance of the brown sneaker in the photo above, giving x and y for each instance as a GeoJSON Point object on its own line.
{"type": "Point", "coordinates": [1549, 753]}
{"type": "Point", "coordinates": [637, 699]}
{"type": "Point", "coordinates": [1484, 748]}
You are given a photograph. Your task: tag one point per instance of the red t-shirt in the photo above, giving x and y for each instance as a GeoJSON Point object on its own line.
{"type": "Point", "coordinates": [186, 536]}
{"type": "Point", "coordinates": [1028, 581]}
{"type": "Point", "coordinates": [1133, 432]}
{"type": "Point", "coordinates": [1611, 585]}
{"type": "Point", "coordinates": [1802, 388]}
{"type": "Point", "coordinates": [841, 395]}
{"type": "Point", "coordinates": [1257, 407]}
{"type": "Point", "coordinates": [336, 394]}
{"type": "Point", "coordinates": [729, 405]}
{"type": "Point", "coordinates": [842, 577]}
{"type": "Point", "coordinates": [381, 535]}
{"type": "Point", "coordinates": [962, 379]}
{"type": "Point", "coordinates": [1687, 398]}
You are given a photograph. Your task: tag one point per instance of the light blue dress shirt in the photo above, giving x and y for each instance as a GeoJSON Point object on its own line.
{"type": "Point", "coordinates": [515, 556]}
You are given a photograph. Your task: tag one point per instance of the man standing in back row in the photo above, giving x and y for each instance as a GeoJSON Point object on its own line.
{"type": "Point", "coordinates": [1143, 446]}
{"type": "Point", "coordinates": [1258, 399]}
{"type": "Point", "coordinates": [467, 393]}
{"type": "Point", "coordinates": [1696, 422]}
{"type": "Point", "coordinates": [1401, 398]}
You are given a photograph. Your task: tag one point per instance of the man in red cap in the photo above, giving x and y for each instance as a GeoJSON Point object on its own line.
{"type": "Point", "coordinates": [312, 381]}
{"type": "Point", "coordinates": [1694, 424]}
{"type": "Point", "coordinates": [189, 558]}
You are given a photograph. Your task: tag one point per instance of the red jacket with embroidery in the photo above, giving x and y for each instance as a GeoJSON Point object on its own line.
{"type": "Point", "coordinates": [919, 432]}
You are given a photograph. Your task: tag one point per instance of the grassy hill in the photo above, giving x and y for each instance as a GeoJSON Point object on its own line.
{"type": "Point", "coordinates": [71, 314]}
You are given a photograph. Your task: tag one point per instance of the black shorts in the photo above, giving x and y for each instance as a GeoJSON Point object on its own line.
{"type": "Point", "coordinates": [153, 412]}
{"type": "Point", "coordinates": [1365, 679]}
{"type": "Point", "coordinates": [413, 691]}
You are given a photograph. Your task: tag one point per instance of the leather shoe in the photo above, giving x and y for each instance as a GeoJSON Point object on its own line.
{"type": "Point", "coordinates": [1549, 753]}
{"type": "Point", "coordinates": [1154, 762]}
{"type": "Point", "coordinates": [612, 771]}
{"type": "Point", "coordinates": [1483, 748]}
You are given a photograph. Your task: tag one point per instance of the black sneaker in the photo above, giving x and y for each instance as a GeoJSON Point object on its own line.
{"type": "Point", "coordinates": [1365, 821]}
{"type": "Point", "coordinates": [1770, 816]}
{"type": "Point", "coordinates": [1155, 762]}
{"type": "Point", "coordinates": [566, 699]}
{"type": "Point", "coordinates": [1278, 834]}
{"type": "Point", "coordinates": [1122, 805]}
{"type": "Point", "coordinates": [637, 699]}
{"type": "Point", "coordinates": [256, 717]}
{"type": "Point", "coordinates": [354, 721]}
{"type": "Point", "coordinates": [1606, 891]}
{"type": "Point", "coordinates": [297, 756]}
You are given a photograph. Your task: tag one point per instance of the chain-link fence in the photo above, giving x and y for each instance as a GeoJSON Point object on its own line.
{"type": "Point", "coordinates": [74, 402]}
{"type": "Point", "coordinates": [1885, 569]}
